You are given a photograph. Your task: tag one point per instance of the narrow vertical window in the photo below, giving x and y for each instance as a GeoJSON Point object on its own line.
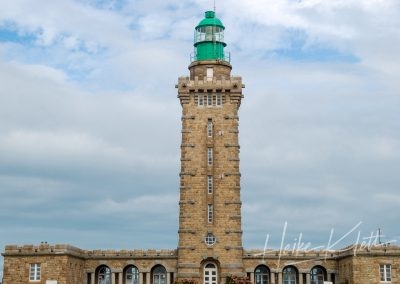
{"type": "Point", "coordinates": [210, 73]}
{"type": "Point", "coordinates": [34, 272]}
{"type": "Point", "coordinates": [209, 99]}
{"type": "Point", "coordinates": [200, 100]}
{"type": "Point", "coordinates": [209, 128]}
{"type": "Point", "coordinates": [210, 184]}
{"type": "Point", "coordinates": [385, 272]}
{"type": "Point", "coordinates": [210, 213]}
{"type": "Point", "coordinates": [218, 99]}
{"type": "Point", "coordinates": [210, 156]}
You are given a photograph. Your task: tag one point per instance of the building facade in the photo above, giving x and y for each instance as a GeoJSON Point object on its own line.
{"type": "Point", "coordinates": [210, 246]}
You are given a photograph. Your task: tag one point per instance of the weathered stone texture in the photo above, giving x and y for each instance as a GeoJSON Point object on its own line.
{"type": "Point", "coordinates": [194, 225]}
{"type": "Point", "coordinates": [58, 262]}
{"type": "Point", "coordinates": [363, 265]}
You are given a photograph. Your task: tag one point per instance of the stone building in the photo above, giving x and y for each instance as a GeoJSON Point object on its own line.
{"type": "Point", "coordinates": [210, 232]}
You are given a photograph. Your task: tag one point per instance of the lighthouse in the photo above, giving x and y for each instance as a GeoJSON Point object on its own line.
{"type": "Point", "coordinates": [210, 231]}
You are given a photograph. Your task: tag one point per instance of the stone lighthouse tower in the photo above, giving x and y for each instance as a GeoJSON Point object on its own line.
{"type": "Point", "coordinates": [210, 232]}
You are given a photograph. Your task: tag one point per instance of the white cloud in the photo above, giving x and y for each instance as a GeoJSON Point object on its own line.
{"type": "Point", "coordinates": [364, 29]}
{"type": "Point", "coordinates": [54, 18]}
{"type": "Point", "coordinates": [142, 205]}
{"type": "Point", "coordinates": [45, 145]}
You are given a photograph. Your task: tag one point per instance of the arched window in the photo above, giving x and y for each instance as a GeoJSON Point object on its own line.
{"type": "Point", "coordinates": [103, 275]}
{"type": "Point", "coordinates": [289, 275]}
{"type": "Point", "coordinates": [159, 275]}
{"type": "Point", "coordinates": [261, 275]}
{"type": "Point", "coordinates": [131, 275]}
{"type": "Point", "coordinates": [317, 275]}
{"type": "Point", "coordinates": [210, 274]}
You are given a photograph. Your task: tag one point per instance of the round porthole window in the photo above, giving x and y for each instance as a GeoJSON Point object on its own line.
{"type": "Point", "coordinates": [210, 239]}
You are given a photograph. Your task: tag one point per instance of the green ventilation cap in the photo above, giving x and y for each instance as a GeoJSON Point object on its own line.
{"type": "Point", "coordinates": [210, 20]}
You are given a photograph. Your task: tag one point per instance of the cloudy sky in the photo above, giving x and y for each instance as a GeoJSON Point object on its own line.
{"type": "Point", "coordinates": [90, 122]}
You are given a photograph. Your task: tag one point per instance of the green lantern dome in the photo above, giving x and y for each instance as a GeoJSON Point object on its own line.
{"type": "Point", "coordinates": [209, 39]}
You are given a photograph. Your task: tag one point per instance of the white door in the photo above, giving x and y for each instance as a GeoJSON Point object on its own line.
{"type": "Point", "coordinates": [210, 274]}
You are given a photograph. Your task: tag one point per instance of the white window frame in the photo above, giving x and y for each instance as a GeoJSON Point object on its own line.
{"type": "Point", "coordinates": [218, 100]}
{"type": "Point", "coordinates": [200, 100]}
{"type": "Point", "coordinates": [210, 156]}
{"type": "Point", "coordinates": [209, 128]}
{"type": "Point", "coordinates": [210, 213]}
{"type": "Point", "coordinates": [210, 239]}
{"type": "Point", "coordinates": [209, 99]}
{"type": "Point", "coordinates": [34, 272]}
{"type": "Point", "coordinates": [385, 271]}
{"type": "Point", "coordinates": [210, 184]}
{"type": "Point", "coordinates": [209, 73]}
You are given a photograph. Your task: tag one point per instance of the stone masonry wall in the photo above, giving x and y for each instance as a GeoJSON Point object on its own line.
{"type": "Point", "coordinates": [363, 265]}
{"type": "Point", "coordinates": [66, 269]}
{"type": "Point", "coordinates": [227, 252]}
{"type": "Point", "coordinates": [70, 265]}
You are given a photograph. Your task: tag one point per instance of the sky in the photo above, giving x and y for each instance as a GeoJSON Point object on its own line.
{"type": "Point", "coordinates": [90, 120]}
